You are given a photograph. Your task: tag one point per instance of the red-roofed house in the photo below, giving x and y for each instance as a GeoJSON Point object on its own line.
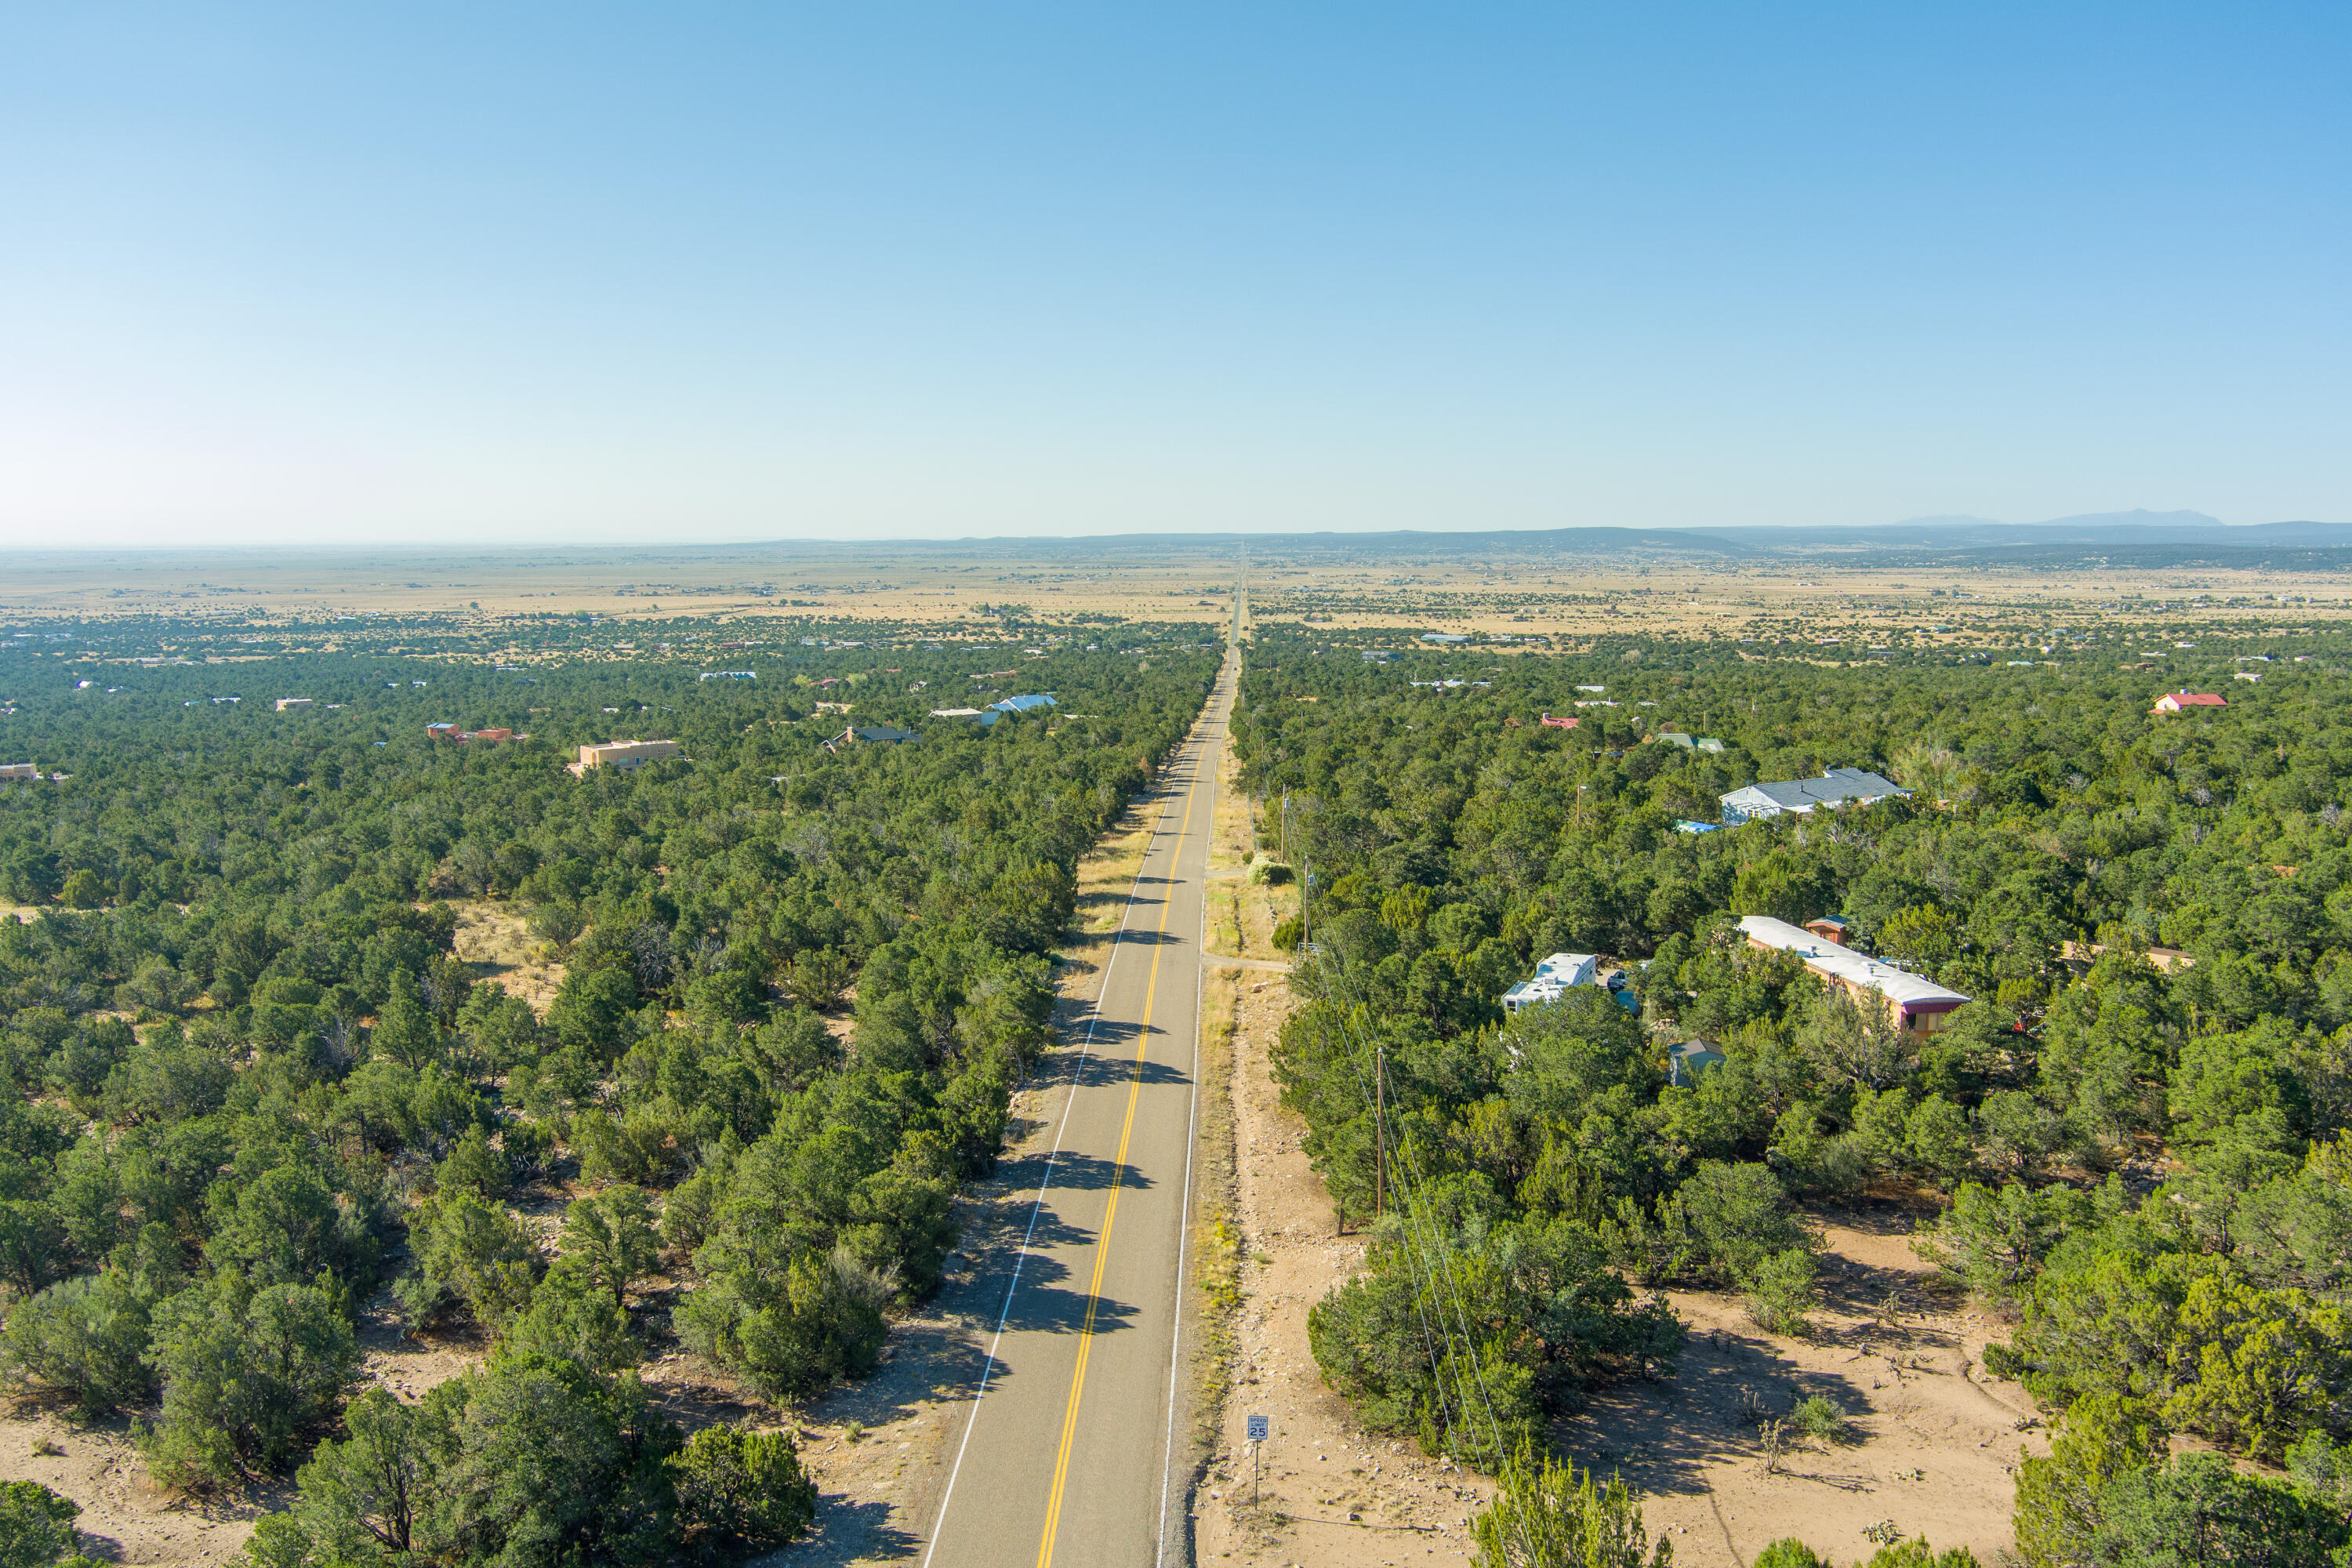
{"type": "Point", "coordinates": [2174, 702]}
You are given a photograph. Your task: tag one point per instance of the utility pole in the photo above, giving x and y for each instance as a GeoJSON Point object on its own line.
{"type": "Point", "coordinates": [1379, 1130]}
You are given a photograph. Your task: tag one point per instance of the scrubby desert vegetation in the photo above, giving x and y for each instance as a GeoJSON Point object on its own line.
{"type": "Point", "coordinates": [253, 1092]}
{"type": "Point", "coordinates": [2142, 1158]}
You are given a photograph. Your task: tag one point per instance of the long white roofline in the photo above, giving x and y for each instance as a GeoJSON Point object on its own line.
{"type": "Point", "coordinates": [1904, 987]}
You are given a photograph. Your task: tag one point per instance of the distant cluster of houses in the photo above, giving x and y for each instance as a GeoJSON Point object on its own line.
{"type": "Point", "coordinates": [1854, 787]}
{"type": "Point", "coordinates": [888, 735]}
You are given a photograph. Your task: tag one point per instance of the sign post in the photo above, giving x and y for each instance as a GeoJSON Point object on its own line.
{"type": "Point", "coordinates": [1257, 1429]}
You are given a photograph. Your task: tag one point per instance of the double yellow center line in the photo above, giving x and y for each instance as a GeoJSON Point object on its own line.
{"type": "Point", "coordinates": [1117, 1173]}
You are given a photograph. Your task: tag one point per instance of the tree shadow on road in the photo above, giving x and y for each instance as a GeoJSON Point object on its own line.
{"type": "Point", "coordinates": [1114, 1067]}
{"type": "Point", "coordinates": [1072, 1171]}
{"type": "Point", "coordinates": [848, 1533]}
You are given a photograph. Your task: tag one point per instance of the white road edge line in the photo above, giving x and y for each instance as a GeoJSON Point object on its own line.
{"type": "Point", "coordinates": [1185, 1212]}
{"type": "Point", "coordinates": [1085, 1048]}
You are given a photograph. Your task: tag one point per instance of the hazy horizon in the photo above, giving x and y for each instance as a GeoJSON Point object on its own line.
{"type": "Point", "coordinates": [2172, 521]}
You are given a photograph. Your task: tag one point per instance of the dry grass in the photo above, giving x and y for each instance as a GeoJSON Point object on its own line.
{"type": "Point", "coordinates": [1106, 877]}
{"type": "Point", "coordinates": [1217, 1246]}
{"type": "Point", "coordinates": [1458, 590]}
{"type": "Point", "coordinates": [1930, 1441]}
{"type": "Point", "coordinates": [493, 939]}
{"type": "Point", "coordinates": [1333, 1496]}
{"type": "Point", "coordinates": [1243, 913]}
{"type": "Point", "coordinates": [921, 585]}
{"type": "Point", "coordinates": [1796, 599]}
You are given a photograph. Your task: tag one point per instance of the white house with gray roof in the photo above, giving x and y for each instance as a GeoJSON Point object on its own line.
{"type": "Point", "coordinates": [1839, 787]}
{"type": "Point", "coordinates": [1553, 977]}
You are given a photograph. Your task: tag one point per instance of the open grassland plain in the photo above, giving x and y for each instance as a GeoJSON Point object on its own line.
{"type": "Point", "coordinates": [1494, 584]}
{"type": "Point", "coordinates": [904, 581]}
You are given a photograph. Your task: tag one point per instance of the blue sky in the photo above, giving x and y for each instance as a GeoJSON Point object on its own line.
{"type": "Point", "coordinates": [430, 273]}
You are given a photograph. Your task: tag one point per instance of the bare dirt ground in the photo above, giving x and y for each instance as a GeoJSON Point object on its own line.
{"type": "Point", "coordinates": [126, 1518]}
{"type": "Point", "coordinates": [1932, 1449]}
{"type": "Point", "coordinates": [1934, 1441]}
{"type": "Point", "coordinates": [1243, 912]}
{"type": "Point", "coordinates": [493, 939]}
{"type": "Point", "coordinates": [1329, 1494]}
{"type": "Point", "coordinates": [878, 1449]}
{"type": "Point", "coordinates": [1933, 1445]}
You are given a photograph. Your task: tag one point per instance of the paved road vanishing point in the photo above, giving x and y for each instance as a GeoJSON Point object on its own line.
{"type": "Point", "coordinates": [1068, 1454]}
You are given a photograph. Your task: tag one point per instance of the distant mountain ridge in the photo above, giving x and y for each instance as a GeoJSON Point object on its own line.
{"type": "Point", "coordinates": [2098, 533]}
{"type": "Point", "coordinates": [1961, 529]}
{"type": "Point", "coordinates": [2138, 538]}
{"type": "Point", "coordinates": [2138, 518]}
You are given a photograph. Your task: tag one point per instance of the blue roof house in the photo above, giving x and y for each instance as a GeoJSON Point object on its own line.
{"type": "Point", "coordinates": [1028, 704]}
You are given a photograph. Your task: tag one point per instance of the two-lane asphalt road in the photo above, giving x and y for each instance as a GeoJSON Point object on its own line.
{"type": "Point", "coordinates": [1069, 1450]}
